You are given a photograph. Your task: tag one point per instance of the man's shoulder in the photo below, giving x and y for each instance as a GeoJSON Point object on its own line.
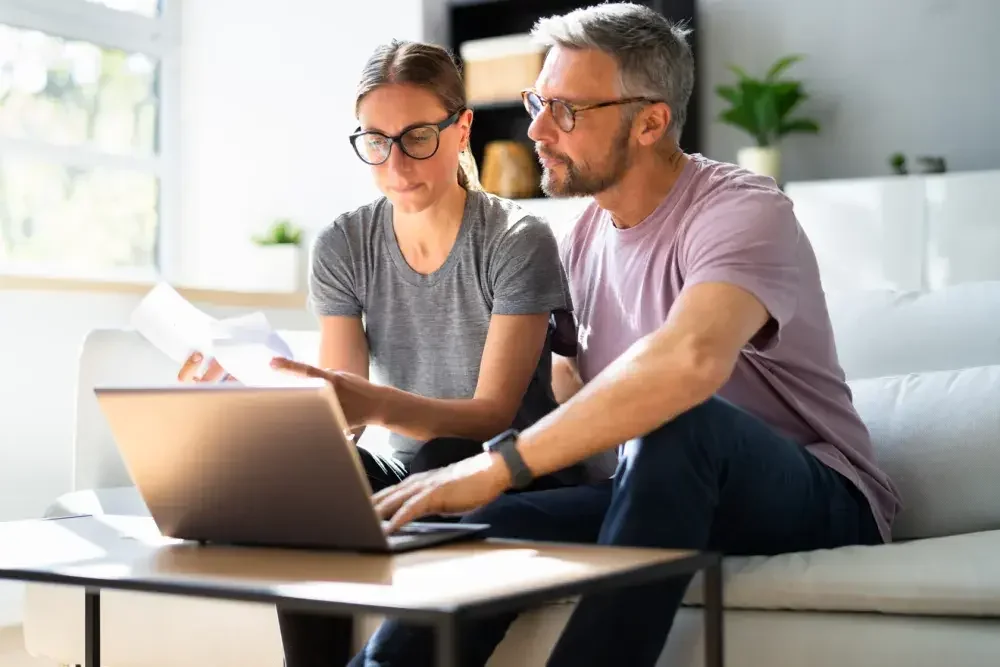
{"type": "Point", "coordinates": [730, 198]}
{"type": "Point", "coordinates": [723, 183]}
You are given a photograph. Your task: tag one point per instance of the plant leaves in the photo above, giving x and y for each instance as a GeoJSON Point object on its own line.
{"type": "Point", "coordinates": [740, 72]}
{"type": "Point", "coordinates": [781, 65]}
{"type": "Point", "coordinates": [798, 125]}
{"type": "Point", "coordinates": [729, 94]}
{"type": "Point", "coordinates": [787, 95]}
{"type": "Point", "coordinates": [738, 118]}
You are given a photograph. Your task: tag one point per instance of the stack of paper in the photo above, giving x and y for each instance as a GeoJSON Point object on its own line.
{"type": "Point", "coordinates": [243, 346]}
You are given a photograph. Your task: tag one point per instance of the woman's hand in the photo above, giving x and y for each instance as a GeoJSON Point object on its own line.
{"type": "Point", "coordinates": [214, 372]}
{"type": "Point", "coordinates": [363, 403]}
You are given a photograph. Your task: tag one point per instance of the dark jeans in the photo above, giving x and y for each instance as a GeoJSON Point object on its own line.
{"type": "Point", "coordinates": [314, 639]}
{"type": "Point", "coordinates": [713, 478]}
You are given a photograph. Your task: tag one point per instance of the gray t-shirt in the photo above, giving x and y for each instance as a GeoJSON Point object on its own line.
{"type": "Point", "coordinates": [426, 333]}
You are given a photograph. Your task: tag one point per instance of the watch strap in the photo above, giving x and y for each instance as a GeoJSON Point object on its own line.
{"type": "Point", "coordinates": [505, 445]}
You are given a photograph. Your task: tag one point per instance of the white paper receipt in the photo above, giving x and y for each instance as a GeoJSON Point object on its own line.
{"type": "Point", "coordinates": [243, 346]}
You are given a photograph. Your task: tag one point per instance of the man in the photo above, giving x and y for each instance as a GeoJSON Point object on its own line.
{"type": "Point", "coordinates": [704, 344]}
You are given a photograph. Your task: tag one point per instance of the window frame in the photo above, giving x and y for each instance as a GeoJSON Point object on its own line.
{"type": "Point", "coordinates": [157, 37]}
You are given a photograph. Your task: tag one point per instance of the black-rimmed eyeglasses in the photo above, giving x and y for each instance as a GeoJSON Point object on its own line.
{"type": "Point", "coordinates": [420, 142]}
{"type": "Point", "coordinates": [563, 112]}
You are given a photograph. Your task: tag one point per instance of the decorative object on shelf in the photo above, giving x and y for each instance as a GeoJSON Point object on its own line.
{"type": "Point", "coordinates": [926, 164]}
{"type": "Point", "coordinates": [760, 107]}
{"type": "Point", "coordinates": [932, 164]}
{"type": "Point", "coordinates": [897, 162]}
{"type": "Point", "coordinates": [277, 262]}
{"type": "Point", "coordinates": [497, 69]}
{"type": "Point", "coordinates": [510, 170]}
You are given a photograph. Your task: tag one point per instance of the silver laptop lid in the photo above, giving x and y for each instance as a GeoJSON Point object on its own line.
{"type": "Point", "coordinates": [245, 465]}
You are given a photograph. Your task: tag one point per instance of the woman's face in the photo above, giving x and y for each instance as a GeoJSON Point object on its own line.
{"type": "Point", "coordinates": [412, 184]}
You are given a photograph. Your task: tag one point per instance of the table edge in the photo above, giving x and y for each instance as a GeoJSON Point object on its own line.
{"type": "Point", "coordinates": [633, 576]}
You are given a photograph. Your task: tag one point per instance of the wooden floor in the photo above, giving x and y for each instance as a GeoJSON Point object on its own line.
{"type": "Point", "coordinates": [12, 650]}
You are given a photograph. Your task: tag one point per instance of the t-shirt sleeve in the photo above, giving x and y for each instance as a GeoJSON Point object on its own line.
{"type": "Point", "coordinates": [332, 284]}
{"type": "Point", "coordinates": [750, 239]}
{"type": "Point", "coordinates": [525, 273]}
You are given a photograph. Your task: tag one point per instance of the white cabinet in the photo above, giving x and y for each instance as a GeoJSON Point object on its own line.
{"type": "Point", "coordinates": [904, 232]}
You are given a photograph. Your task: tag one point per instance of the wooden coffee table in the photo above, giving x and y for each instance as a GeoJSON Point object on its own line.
{"type": "Point", "coordinates": [439, 587]}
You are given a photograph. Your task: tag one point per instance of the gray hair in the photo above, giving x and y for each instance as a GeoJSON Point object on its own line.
{"type": "Point", "coordinates": [654, 58]}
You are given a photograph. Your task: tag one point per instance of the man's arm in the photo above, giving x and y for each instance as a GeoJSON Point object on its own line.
{"type": "Point", "coordinates": [661, 376]}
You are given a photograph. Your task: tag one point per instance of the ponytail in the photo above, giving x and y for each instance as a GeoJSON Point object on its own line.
{"type": "Point", "coordinates": [468, 172]}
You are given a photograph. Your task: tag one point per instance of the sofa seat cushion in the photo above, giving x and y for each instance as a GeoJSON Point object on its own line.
{"type": "Point", "coordinates": [945, 576]}
{"type": "Point", "coordinates": [120, 500]}
{"type": "Point", "coordinates": [937, 435]}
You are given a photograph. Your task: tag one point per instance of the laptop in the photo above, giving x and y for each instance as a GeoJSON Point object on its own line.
{"type": "Point", "coordinates": [257, 466]}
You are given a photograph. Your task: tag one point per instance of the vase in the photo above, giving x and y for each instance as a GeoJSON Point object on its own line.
{"type": "Point", "coordinates": [277, 268]}
{"type": "Point", "coordinates": [763, 160]}
{"type": "Point", "coordinates": [510, 170]}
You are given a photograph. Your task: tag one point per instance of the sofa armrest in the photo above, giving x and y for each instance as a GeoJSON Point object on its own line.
{"type": "Point", "coordinates": [122, 500]}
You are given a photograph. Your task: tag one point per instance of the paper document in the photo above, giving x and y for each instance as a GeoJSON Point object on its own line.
{"type": "Point", "coordinates": [243, 346]}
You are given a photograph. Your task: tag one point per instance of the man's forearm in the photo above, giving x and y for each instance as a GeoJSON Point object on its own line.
{"type": "Point", "coordinates": [424, 418]}
{"type": "Point", "coordinates": [643, 389]}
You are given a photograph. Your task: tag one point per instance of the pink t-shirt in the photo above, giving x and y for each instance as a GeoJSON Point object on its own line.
{"type": "Point", "coordinates": [723, 224]}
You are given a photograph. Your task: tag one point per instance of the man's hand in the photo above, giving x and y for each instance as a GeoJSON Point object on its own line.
{"type": "Point", "coordinates": [361, 401]}
{"type": "Point", "coordinates": [460, 487]}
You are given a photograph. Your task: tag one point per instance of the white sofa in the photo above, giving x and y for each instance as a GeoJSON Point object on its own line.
{"type": "Point", "coordinates": [925, 370]}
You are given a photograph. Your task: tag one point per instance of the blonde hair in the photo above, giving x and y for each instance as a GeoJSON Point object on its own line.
{"type": "Point", "coordinates": [431, 67]}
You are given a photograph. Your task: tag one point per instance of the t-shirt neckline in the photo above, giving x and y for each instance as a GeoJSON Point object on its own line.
{"type": "Point", "coordinates": [405, 270]}
{"type": "Point", "coordinates": [662, 210]}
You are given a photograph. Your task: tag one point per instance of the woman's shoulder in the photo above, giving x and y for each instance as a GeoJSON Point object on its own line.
{"type": "Point", "coordinates": [503, 218]}
{"type": "Point", "coordinates": [354, 227]}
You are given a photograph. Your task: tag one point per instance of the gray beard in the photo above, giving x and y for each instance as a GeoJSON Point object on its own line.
{"type": "Point", "coordinates": [580, 183]}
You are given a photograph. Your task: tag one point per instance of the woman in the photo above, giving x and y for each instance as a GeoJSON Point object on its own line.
{"type": "Point", "coordinates": [444, 291]}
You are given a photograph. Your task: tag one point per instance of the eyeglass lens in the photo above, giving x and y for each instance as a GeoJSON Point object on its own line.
{"type": "Point", "coordinates": [561, 112]}
{"type": "Point", "coordinates": [419, 143]}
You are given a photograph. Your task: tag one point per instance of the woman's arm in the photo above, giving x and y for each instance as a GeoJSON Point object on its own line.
{"type": "Point", "coordinates": [514, 344]}
{"type": "Point", "coordinates": [343, 347]}
{"type": "Point", "coordinates": [566, 380]}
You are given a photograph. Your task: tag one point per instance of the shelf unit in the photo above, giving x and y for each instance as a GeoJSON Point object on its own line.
{"type": "Point", "coordinates": [480, 19]}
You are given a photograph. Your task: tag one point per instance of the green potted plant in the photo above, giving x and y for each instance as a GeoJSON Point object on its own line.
{"type": "Point", "coordinates": [278, 262]}
{"type": "Point", "coordinates": [761, 108]}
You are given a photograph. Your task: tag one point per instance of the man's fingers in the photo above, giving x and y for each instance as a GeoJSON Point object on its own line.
{"type": "Point", "coordinates": [301, 369]}
{"type": "Point", "coordinates": [391, 499]}
{"type": "Point", "coordinates": [417, 506]}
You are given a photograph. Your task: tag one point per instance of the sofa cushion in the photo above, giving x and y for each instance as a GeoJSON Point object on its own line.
{"type": "Point", "coordinates": [937, 435]}
{"type": "Point", "coordinates": [890, 332]}
{"type": "Point", "coordinates": [944, 576]}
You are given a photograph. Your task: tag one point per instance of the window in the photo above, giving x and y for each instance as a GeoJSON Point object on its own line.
{"type": "Point", "coordinates": [85, 144]}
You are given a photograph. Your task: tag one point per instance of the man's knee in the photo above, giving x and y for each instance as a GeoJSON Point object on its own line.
{"type": "Point", "coordinates": [701, 436]}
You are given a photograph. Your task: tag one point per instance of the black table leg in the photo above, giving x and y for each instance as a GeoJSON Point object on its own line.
{"type": "Point", "coordinates": [712, 580]}
{"type": "Point", "coordinates": [447, 644]}
{"type": "Point", "coordinates": [92, 628]}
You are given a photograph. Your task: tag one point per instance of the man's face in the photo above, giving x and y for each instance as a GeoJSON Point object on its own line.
{"type": "Point", "coordinates": [595, 154]}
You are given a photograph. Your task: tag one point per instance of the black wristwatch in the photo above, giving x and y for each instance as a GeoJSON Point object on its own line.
{"type": "Point", "coordinates": [505, 445]}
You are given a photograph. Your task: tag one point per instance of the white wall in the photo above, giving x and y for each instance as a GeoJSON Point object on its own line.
{"type": "Point", "coordinates": [41, 334]}
{"type": "Point", "coordinates": [267, 104]}
{"type": "Point", "coordinates": [916, 76]}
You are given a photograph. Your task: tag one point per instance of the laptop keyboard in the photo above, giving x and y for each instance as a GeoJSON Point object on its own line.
{"type": "Point", "coordinates": [422, 528]}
